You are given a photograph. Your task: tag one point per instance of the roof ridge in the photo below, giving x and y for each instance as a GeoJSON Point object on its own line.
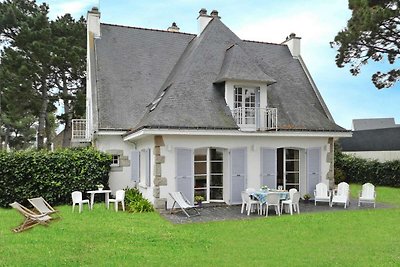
{"type": "Point", "coordinates": [261, 42]}
{"type": "Point", "coordinates": [146, 29]}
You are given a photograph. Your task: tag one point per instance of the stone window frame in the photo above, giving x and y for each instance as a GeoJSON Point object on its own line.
{"type": "Point", "coordinates": [115, 160]}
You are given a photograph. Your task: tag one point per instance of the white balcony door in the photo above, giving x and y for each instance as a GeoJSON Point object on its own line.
{"type": "Point", "coordinates": [245, 98]}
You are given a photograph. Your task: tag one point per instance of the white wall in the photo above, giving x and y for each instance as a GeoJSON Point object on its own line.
{"type": "Point", "coordinates": [381, 156]}
{"type": "Point", "coordinates": [118, 179]}
{"type": "Point", "coordinates": [253, 145]}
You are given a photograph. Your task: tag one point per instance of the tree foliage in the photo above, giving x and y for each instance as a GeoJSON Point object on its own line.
{"type": "Point", "coordinates": [42, 64]}
{"type": "Point", "coordinates": [371, 34]}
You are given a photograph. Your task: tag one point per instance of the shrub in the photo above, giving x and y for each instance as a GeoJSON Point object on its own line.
{"type": "Point", "coordinates": [52, 175]}
{"type": "Point", "coordinates": [357, 170]}
{"type": "Point", "coordinates": [135, 202]}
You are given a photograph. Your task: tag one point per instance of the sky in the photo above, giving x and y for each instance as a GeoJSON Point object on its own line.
{"type": "Point", "coordinates": [315, 21]}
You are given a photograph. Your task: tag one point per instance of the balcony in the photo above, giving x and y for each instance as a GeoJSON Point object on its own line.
{"type": "Point", "coordinates": [80, 131]}
{"type": "Point", "coordinates": [253, 119]}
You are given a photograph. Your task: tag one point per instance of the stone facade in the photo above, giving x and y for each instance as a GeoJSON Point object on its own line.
{"type": "Point", "coordinates": [159, 203]}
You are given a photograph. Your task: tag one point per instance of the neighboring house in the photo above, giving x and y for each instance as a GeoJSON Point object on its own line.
{"type": "Point", "coordinates": [373, 139]}
{"type": "Point", "coordinates": [207, 114]}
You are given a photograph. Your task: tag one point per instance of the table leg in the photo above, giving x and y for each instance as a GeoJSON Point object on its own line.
{"type": "Point", "coordinates": [107, 198]}
{"type": "Point", "coordinates": [91, 200]}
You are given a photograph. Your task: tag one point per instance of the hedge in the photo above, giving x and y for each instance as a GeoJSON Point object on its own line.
{"type": "Point", "coordinates": [51, 175]}
{"type": "Point", "coordinates": [352, 169]}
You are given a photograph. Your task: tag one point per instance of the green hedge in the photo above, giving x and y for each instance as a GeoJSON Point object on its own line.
{"type": "Point", "coordinates": [52, 175]}
{"type": "Point", "coordinates": [352, 169]}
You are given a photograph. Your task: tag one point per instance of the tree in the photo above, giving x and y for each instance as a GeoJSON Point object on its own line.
{"type": "Point", "coordinates": [50, 57]}
{"type": "Point", "coordinates": [68, 68]}
{"type": "Point", "coordinates": [372, 34]}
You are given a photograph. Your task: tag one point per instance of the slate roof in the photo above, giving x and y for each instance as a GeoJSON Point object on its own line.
{"type": "Point", "coordinates": [387, 139]}
{"type": "Point", "coordinates": [158, 79]}
{"type": "Point", "coordinates": [373, 123]}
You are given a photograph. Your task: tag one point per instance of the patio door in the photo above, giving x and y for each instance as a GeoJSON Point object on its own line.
{"type": "Point", "coordinates": [288, 168]}
{"type": "Point", "coordinates": [208, 174]}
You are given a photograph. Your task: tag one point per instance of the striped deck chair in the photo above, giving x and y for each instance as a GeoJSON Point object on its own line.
{"type": "Point", "coordinates": [31, 218]}
{"type": "Point", "coordinates": [183, 203]}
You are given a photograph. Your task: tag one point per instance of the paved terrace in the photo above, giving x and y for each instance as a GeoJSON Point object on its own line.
{"type": "Point", "coordinates": [221, 212]}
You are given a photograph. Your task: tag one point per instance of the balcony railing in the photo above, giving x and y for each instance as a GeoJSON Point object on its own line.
{"type": "Point", "coordinates": [252, 119]}
{"type": "Point", "coordinates": [80, 132]}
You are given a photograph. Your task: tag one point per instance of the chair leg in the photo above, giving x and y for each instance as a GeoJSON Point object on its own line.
{"type": "Point", "coordinates": [116, 206]}
{"type": "Point", "coordinates": [73, 207]}
{"type": "Point", "coordinates": [80, 207]}
{"type": "Point", "coordinates": [243, 204]}
{"type": "Point", "coordinates": [248, 209]}
{"type": "Point", "coordinates": [123, 205]}
{"type": "Point", "coordinates": [298, 208]}
{"type": "Point", "coordinates": [266, 210]}
{"type": "Point", "coordinates": [279, 210]}
{"type": "Point", "coordinates": [291, 209]}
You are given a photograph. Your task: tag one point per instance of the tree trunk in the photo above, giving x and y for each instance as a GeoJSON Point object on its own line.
{"type": "Point", "coordinates": [48, 129]}
{"type": "Point", "coordinates": [66, 142]}
{"type": "Point", "coordinates": [42, 115]}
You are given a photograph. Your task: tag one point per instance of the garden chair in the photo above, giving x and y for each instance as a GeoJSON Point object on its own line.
{"type": "Point", "coordinates": [291, 192]}
{"type": "Point", "coordinates": [292, 202]}
{"type": "Point", "coordinates": [322, 194]}
{"type": "Point", "coordinates": [77, 199]}
{"type": "Point", "coordinates": [43, 207]}
{"type": "Point", "coordinates": [341, 195]}
{"type": "Point", "coordinates": [119, 197]}
{"type": "Point", "coordinates": [273, 199]}
{"type": "Point", "coordinates": [249, 203]}
{"type": "Point", "coordinates": [367, 194]}
{"type": "Point", "coordinates": [183, 203]}
{"type": "Point", "coordinates": [31, 218]}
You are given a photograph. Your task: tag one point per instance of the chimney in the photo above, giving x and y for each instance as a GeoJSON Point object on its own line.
{"type": "Point", "coordinates": [293, 43]}
{"type": "Point", "coordinates": [93, 22]}
{"type": "Point", "coordinates": [203, 19]}
{"type": "Point", "coordinates": [173, 28]}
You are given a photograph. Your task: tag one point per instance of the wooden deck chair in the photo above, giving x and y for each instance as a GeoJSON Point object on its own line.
{"type": "Point", "coordinates": [31, 218]}
{"type": "Point", "coordinates": [43, 207]}
{"type": "Point", "coordinates": [183, 203]}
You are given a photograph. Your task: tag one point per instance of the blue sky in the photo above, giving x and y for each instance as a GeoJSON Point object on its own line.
{"type": "Point", "coordinates": [317, 22]}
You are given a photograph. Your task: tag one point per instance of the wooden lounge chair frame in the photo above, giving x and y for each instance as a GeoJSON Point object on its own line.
{"type": "Point", "coordinates": [183, 203]}
{"type": "Point", "coordinates": [43, 207]}
{"type": "Point", "coordinates": [31, 218]}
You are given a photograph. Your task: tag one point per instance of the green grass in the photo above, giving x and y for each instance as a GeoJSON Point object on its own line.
{"type": "Point", "coordinates": [102, 237]}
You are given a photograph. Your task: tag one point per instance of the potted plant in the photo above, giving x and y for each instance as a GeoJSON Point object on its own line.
{"type": "Point", "coordinates": [199, 200]}
{"type": "Point", "coordinates": [264, 188]}
{"type": "Point", "coordinates": [306, 198]}
{"type": "Point", "coordinates": [100, 187]}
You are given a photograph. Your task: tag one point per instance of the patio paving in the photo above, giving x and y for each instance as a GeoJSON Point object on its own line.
{"type": "Point", "coordinates": [222, 212]}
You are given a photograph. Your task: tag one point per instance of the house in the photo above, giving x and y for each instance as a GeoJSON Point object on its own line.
{"type": "Point", "coordinates": [206, 114]}
{"type": "Point", "coordinates": [375, 139]}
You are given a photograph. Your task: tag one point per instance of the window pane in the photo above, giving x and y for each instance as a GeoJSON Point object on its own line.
{"type": "Point", "coordinates": [200, 181]}
{"type": "Point", "coordinates": [200, 154]}
{"type": "Point", "coordinates": [292, 178]}
{"type": "Point", "coordinates": [200, 167]}
{"type": "Point", "coordinates": [292, 166]}
{"type": "Point", "coordinates": [292, 154]}
{"type": "Point", "coordinates": [216, 180]}
{"type": "Point", "coordinates": [216, 167]}
{"type": "Point", "coordinates": [216, 193]}
{"type": "Point", "coordinates": [216, 154]}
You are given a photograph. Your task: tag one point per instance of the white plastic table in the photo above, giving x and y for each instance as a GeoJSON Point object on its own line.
{"type": "Point", "coordinates": [93, 192]}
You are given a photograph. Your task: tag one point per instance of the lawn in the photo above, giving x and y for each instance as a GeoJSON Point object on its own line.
{"type": "Point", "coordinates": [103, 237]}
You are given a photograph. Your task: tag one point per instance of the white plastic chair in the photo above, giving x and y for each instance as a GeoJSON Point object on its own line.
{"type": "Point", "coordinates": [322, 194]}
{"type": "Point", "coordinates": [119, 197]}
{"type": "Point", "coordinates": [273, 199]}
{"type": "Point", "coordinates": [249, 203]}
{"type": "Point", "coordinates": [341, 195]}
{"type": "Point", "coordinates": [291, 192]}
{"type": "Point", "coordinates": [292, 202]}
{"type": "Point", "coordinates": [367, 195]}
{"type": "Point", "coordinates": [77, 199]}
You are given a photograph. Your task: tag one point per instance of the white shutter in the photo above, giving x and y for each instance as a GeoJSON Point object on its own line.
{"type": "Point", "coordinates": [184, 173]}
{"type": "Point", "coordinates": [147, 166]}
{"type": "Point", "coordinates": [135, 166]}
{"type": "Point", "coordinates": [268, 167]}
{"type": "Point", "coordinates": [313, 168]}
{"type": "Point", "coordinates": [238, 162]}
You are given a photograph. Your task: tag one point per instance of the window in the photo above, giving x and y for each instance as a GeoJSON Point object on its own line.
{"type": "Point", "coordinates": [245, 104]}
{"type": "Point", "coordinates": [115, 161]}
